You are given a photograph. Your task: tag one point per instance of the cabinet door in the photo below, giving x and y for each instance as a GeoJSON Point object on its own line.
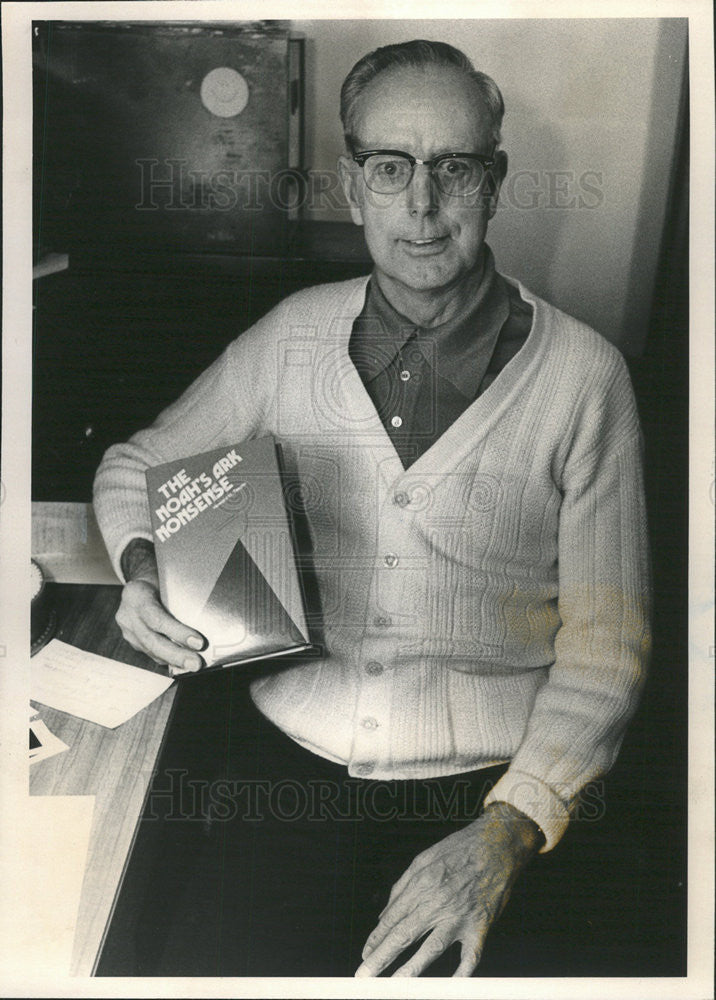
{"type": "Point", "coordinates": [113, 348]}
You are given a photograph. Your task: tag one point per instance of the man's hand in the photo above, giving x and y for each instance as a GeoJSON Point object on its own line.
{"type": "Point", "coordinates": [145, 622]}
{"type": "Point", "coordinates": [453, 892]}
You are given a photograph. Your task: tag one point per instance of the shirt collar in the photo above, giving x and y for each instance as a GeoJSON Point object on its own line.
{"type": "Point", "coordinates": [450, 347]}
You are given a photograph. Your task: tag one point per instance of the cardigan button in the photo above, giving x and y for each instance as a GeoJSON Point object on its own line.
{"type": "Point", "coordinates": [365, 769]}
{"type": "Point", "coordinates": [374, 668]}
{"type": "Point", "coordinates": [369, 722]}
{"type": "Point", "coordinates": [382, 621]}
{"type": "Point", "coordinates": [401, 499]}
{"type": "Point", "coordinates": [390, 559]}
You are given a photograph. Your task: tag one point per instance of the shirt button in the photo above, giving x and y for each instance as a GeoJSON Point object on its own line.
{"type": "Point", "coordinates": [401, 499]}
{"type": "Point", "coordinates": [390, 559]}
{"type": "Point", "coordinates": [382, 621]}
{"type": "Point", "coordinates": [374, 668]}
{"type": "Point", "coordinates": [364, 769]}
{"type": "Point", "coordinates": [404, 375]}
{"type": "Point", "coordinates": [396, 421]}
{"type": "Point", "coordinates": [369, 722]}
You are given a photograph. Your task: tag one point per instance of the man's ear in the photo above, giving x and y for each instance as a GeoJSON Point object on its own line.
{"type": "Point", "coordinates": [349, 181]}
{"type": "Point", "coordinates": [495, 179]}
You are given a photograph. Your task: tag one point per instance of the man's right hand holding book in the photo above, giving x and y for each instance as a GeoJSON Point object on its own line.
{"type": "Point", "coordinates": [145, 623]}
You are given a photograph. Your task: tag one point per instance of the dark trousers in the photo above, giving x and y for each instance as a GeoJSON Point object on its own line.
{"type": "Point", "coordinates": [272, 861]}
{"type": "Point", "coordinates": [285, 860]}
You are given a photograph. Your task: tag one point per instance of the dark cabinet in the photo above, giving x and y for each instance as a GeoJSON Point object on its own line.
{"type": "Point", "coordinates": [117, 340]}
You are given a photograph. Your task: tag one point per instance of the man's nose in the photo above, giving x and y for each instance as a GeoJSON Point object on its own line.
{"type": "Point", "coordinates": [422, 191]}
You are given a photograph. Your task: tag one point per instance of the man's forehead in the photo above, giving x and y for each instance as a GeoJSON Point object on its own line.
{"type": "Point", "coordinates": [434, 107]}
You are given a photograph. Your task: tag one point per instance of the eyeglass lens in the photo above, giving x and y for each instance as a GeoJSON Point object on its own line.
{"type": "Point", "coordinates": [388, 174]}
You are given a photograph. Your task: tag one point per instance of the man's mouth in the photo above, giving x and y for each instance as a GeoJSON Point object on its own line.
{"type": "Point", "coordinates": [425, 246]}
{"type": "Point", "coordinates": [426, 241]}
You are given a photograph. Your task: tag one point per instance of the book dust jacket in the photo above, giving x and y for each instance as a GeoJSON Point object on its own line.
{"type": "Point", "coordinates": [225, 552]}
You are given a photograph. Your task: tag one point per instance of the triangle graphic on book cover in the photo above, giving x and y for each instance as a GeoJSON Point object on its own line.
{"type": "Point", "coordinates": [266, 625]}
{"type": "Point", "coordinates": [271, 548]}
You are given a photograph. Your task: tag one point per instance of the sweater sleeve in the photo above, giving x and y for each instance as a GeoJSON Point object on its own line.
{"type": "Point", "coordinates": [580, 714]}
{"type": "Point", "coordinates": [225, 405]}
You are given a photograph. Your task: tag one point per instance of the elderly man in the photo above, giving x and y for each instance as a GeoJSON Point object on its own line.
{"type": "Point", "coordinates": [479, 550]}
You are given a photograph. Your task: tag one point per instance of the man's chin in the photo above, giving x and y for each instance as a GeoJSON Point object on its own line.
{"type": "Point", "coordinates": [428, 276]}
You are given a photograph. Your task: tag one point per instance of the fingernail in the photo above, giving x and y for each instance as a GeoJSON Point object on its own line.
{"type": "Point", "coordinates": [362, 972]}
{"type": "Point", "coordinates": [191, 663]}
{"type": "Point", "coordinates": [195, 642]}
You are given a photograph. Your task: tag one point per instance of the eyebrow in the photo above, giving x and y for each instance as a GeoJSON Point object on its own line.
{"type": "Point", "coordinates": [358, 147]}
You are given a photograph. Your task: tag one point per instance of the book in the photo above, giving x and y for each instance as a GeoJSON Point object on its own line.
{"type": "Point", "coordinates": [225, 550]}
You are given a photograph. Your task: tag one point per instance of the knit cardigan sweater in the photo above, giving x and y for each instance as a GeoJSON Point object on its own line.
{"type": "Point", "coordinates": [489, 603]}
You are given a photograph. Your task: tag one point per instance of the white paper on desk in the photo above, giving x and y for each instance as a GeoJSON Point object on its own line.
{"type": "Point", "coordinates": [48, 743]}
{"type": "Point", "coordinates": [92, 687]}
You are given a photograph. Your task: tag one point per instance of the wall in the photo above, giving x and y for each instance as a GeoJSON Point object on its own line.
{"type": "Point", "coordinates": [592, 113]}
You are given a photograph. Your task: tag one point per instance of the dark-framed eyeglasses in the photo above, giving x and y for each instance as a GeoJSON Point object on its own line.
{"type": "Point", "coordinates": [389, 171]}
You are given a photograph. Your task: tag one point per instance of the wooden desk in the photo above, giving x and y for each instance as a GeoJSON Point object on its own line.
{"type": "Point", "coordinates": [114, 765]}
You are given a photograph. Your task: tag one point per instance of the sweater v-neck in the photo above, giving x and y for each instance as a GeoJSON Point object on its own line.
{"type": "Point", "coordinates": [471, 426]}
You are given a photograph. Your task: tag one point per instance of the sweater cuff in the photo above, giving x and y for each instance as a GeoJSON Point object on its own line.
{"type": "Point", "coordinates": [124, 540]}
{"type": "Point", "coordinates": [535, 799]}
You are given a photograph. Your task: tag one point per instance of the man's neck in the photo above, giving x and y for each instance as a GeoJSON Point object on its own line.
{"type": "Point", "coordinates": [432, 308]}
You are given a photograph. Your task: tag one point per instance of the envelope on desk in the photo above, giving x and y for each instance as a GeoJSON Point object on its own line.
{"type": "Point", "coordinates": [90, 686]}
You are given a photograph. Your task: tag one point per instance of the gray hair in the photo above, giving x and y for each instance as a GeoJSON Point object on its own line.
{"type": "Point", "coordinates": [418, 54]}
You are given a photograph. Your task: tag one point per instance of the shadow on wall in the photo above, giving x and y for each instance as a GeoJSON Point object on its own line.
{"type": "Point", "coordinates": [665, 179]}
{"type": "Point", "coordinates": [533, 213]}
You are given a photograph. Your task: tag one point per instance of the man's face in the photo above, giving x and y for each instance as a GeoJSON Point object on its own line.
{"type": "Point", "coordinates": [424, 113]}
